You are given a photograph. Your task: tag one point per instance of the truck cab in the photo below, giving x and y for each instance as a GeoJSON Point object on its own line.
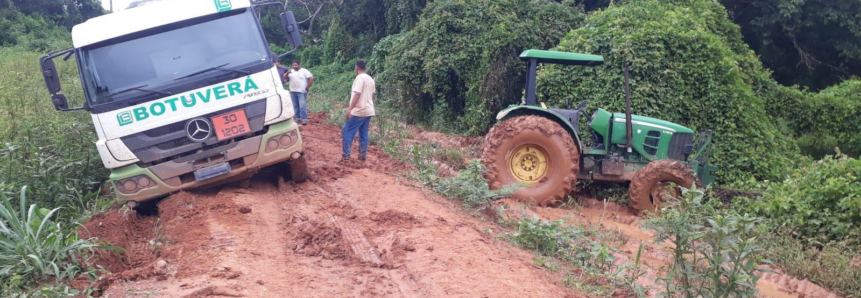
{"type": "Point", "coordinates": [183, 94]}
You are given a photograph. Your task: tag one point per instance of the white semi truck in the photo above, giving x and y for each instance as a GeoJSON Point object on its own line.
{"type": "Point", "coordinates": [183, 94]}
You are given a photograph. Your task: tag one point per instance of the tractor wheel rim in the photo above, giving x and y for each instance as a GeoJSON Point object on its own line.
{"type": "Point", "coordinates": [528, 163]}
{"type": "Point", "coordinates": [664, 191]}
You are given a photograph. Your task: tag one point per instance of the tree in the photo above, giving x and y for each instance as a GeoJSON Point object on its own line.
{"type": "Point", "coordinates": [813, 43]}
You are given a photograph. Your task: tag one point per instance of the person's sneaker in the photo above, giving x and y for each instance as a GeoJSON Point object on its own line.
{"type": "Point", "coordinates": [345, 157]}
{"type": "Point", "coordinates": [362, 158]}
{"type": "Point", "coordinates": [304, 121]}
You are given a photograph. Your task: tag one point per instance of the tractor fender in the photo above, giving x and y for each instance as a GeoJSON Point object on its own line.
{"type": "Point", "coordinates": [523, 110]}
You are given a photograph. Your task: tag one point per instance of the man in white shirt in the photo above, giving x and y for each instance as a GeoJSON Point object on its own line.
{"type": "Point", "coordinates": [300, 80]}
{"type": "Point", "coordinates": [363, 93]}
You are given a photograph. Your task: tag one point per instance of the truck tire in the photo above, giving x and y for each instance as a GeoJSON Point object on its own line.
{"type": "Point", "coordinates": [651, 185]}
{"type": "Point", "coordinates": [297, 169]}
{"type": "Point", "coordinates": [532, 150]}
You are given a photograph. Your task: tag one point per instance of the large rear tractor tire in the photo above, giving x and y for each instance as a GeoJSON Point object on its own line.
{"type": "Point", "coordinates": [652, 185]}
{"type": "Point", "coordinates": [534, 151]}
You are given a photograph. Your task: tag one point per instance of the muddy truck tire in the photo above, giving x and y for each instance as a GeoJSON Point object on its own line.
{"type": "Point", "coordinates": [651, 185]}
{"type": "Point", "coordinates": [297, 170]}
{"type": "Point", "coordinates": [533, 150]}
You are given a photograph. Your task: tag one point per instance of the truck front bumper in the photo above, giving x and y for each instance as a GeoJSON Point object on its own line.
{"type": "Point", "coordinates": [139, 184]}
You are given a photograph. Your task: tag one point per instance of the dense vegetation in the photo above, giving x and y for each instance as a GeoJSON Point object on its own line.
{"type": "Point", "coordinates": [460, 63]}
{"type": "Point", "coordinates": [812, 43]}
{"type": "Point", "coordinates": [702, 75]}
{"type": "Point", "coordinates": [776, 79]}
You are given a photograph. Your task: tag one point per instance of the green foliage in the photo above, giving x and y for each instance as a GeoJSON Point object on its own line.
{"type": "Point", "coordinates": [402, 15]}
{"type": "Point", "coordinates": [50, 151]}
{"type": "Point", "coordinates": [788, 35]}
{"type": "Point", "coordinates": [31, 32]}
{"type": "Point", "coordinates": [34, 248]}
{"type": "Point", "coordinates": [820, 202]}
{"type": "Point", "coordinates": [715, 254]}
{"type": "Point", "coordinates": [690, 66]}
{"type": "Point", "coordinates": [822, 121]}
{"type": "Point", "coordinates": [459, 65]}
{"type": "Point", "coordinates": [585, 249]}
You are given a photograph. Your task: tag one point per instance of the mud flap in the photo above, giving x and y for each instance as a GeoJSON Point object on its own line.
{"type": "Point", "coordinates": [297, 170]}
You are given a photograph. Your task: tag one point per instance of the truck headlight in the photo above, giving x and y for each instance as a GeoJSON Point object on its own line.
{"type": "Point", "coordinates": [282, 141]}
{"type": "Point", "coordinates": [134, 184]}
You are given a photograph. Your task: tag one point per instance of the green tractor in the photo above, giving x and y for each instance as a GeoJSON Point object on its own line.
{"type": "Point", "coordinates": [541, 147]}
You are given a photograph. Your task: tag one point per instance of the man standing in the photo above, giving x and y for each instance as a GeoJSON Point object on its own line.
{"type": "Point", "coordinates": [300, 83]}
{"type": "Point", "coordinates": [363, 94]}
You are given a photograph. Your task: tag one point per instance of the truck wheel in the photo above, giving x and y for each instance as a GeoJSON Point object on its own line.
{"type": "Point", "coordinates": [535, 151]}
{"type": "Point", "coordinates": [298, 170]}
{"type": "Point", "coordinates": [652, 184]}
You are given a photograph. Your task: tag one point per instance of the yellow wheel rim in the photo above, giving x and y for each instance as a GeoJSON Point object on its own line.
{"type": "Point", "coordinates": [528, 163]}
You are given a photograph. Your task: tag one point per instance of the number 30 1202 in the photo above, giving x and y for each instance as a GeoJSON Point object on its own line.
{"type": "Point", "coordinates": [230, 124]}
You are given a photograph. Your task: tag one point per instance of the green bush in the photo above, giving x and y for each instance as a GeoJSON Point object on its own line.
{"type": "Point", "coordinates": [825, 120]}
{"type": "Point", "coordinates": [715, 254]}
{"type": "Point", "coordinates": [820, 202]}
{"type": "Point", "coordinates": [459, 65]}
{"type": "Point", "coordinates": [690, 66]}
{"type": "Point", "coordinates": [31, 32]}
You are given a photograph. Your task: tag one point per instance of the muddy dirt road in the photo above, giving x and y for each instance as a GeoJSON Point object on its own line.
{"type": "Point", "coordinates": [353, 230]}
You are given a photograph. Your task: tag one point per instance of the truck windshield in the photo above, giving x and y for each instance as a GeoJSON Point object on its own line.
{"type": "Point", "coordinates": [219, 44]}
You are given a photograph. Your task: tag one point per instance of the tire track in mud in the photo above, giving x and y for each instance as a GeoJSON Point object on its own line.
{"type": "Point", "coordinates": [279, 239]}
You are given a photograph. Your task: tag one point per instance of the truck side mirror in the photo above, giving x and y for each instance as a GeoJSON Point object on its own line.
{"type": "Point", "coordinates": [60, 102]}
{"type": "Point", "coordinates": [49, 72]}
{"type": "Point", "coordinates": [294, 38]}
{"type": "Point", "coordinates": [52, 79]}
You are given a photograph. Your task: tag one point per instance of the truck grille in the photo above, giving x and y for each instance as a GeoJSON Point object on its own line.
{"type": "Point", "coordinates": [171, 140]}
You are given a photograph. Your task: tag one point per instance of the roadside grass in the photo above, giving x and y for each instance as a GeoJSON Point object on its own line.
{"type": "Point", "coordinates": [49, 157]}
{"type": "Point", "coordinates": [835, 265]}
{"type": "Point", "coordinates": [38, 252]}
{"type": "Point", "coordinates": [584, 254]}
{"type": "Point", "coordinates": [51, 152]}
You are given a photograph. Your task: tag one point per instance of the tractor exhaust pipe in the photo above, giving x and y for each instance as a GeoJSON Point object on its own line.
{"type": "Point", "coordinates": [629, 125]}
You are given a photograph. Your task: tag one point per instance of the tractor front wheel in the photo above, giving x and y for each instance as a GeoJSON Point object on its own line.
{"type": "Point", "coordinates": [534, 152]}
{"type": "Point", "coordinates": [654, 183]}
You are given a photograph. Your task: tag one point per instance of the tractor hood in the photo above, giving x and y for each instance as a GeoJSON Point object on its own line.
{"type": "Point", "coordinates": [652, 122]}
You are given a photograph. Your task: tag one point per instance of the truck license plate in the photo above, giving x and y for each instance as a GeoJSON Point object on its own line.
{"type": "Point", "coordinates": [230, 124]}
{"type": "Point", "coordinates": [212, 171]}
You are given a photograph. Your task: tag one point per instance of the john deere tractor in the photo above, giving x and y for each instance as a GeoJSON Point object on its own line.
{"type": "Point", "coordinates": [541, 147]}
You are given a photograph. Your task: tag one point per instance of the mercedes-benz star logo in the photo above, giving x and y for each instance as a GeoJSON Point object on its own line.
{"type": "Point", "coordinates": [198, 130]}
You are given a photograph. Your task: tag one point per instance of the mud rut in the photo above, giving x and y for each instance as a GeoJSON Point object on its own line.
{"type": "Point", "coordinates": [352, 230]}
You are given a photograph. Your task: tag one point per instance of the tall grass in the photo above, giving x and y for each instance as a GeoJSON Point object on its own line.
{"type": "Point", "coordinates": [35, 248]}
{"type": "Point", "coordinates": [52, 152]}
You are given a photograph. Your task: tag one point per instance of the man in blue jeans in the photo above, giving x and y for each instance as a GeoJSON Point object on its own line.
{"type": "Point", "coordinates": [300, 83]}
{"type": "Point", "coordinates": [363, 94]}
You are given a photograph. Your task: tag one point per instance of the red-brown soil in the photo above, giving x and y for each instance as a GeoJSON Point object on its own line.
{"type": "Point", "coordinates": [353, 230]}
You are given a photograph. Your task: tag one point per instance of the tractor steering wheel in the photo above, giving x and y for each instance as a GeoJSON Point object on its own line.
{"type": "Point", "coordinates": [580, 110]}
